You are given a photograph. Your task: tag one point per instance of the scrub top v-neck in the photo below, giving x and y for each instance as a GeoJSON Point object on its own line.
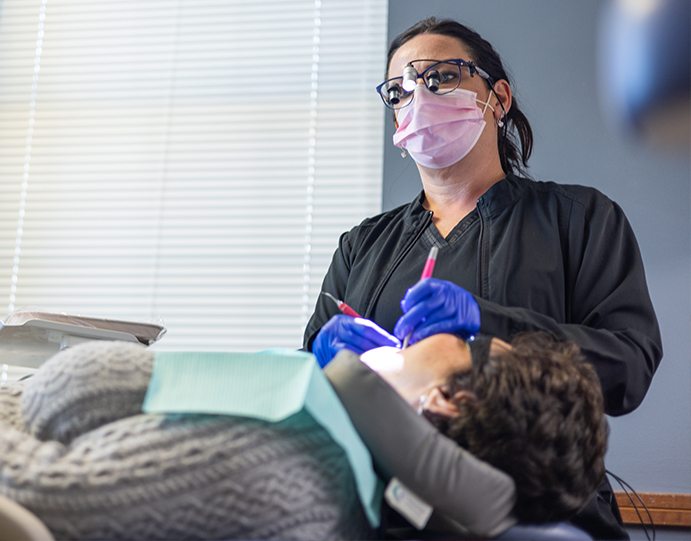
{"type": "Point", "coordinates": [456, 261]}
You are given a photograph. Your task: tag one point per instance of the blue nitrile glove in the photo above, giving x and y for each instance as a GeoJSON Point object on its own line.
{"type": "Point", "coordinates": [434, 306]}
{"type": "Point", "coordinates": [354, 333]}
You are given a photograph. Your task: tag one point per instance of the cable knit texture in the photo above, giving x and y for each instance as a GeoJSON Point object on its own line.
{"type": "Point", "coordinates": [76, 450]}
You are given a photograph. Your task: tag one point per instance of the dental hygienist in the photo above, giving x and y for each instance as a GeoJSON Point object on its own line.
{"type": "Point", "coordinates": [514, 254]}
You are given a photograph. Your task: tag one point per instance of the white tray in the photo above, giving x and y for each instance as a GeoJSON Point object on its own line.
{"type": "Point", "coordinates": [30, 338]}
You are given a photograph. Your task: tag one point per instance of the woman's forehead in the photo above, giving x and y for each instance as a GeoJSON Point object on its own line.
{"type": "Point", "coordinates": [432, 46]}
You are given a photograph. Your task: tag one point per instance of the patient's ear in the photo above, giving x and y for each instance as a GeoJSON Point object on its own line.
{"type": "Point", "coordinates": [464, 396]}
{"type": "Point", "coordinates": [437, 402]}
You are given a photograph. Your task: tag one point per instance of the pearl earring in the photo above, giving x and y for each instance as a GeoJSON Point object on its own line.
{"type": "Point", "coordinates": [500, 122]}
{"type": "Point", "coordinates": [404, 154]}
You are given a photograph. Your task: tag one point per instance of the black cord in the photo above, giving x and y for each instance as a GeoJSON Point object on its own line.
{"type": "Point", "coordinates": [624, 485]}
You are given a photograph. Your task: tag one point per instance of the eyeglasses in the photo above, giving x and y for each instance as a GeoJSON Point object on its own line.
{"type": "Point", "coordinates": [440, 77]}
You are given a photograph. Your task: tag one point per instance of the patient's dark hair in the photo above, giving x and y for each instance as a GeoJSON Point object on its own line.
{"type": "Point", "coordinates": [538, 416]}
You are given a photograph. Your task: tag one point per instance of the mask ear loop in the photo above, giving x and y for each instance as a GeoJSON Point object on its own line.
{"type": "Point", "coordinates": [500, 122]}
{"type": "Point", "coordinates": [486, 103]}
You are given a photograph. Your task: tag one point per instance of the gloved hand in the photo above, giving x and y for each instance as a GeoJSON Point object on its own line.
{"type": "Point", "coordinates": [354, 333]}
{"type": "Point", "coordinates": [435, 306]}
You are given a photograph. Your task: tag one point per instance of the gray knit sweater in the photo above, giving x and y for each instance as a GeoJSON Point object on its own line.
{"type": "Point", "coordinates": [76, 450]}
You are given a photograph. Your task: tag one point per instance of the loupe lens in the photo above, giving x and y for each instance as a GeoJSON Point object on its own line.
{"type": "Point", "coordinates": [432, 81]}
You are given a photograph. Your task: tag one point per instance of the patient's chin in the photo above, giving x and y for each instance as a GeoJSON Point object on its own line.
{"type": "Point", "coordinates": [383, 359]}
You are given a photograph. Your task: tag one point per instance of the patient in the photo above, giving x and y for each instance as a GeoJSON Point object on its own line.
{"type": "Point", "coordinates": [532, 408]}
{"type": "Point", "coordinates": [77, 451]}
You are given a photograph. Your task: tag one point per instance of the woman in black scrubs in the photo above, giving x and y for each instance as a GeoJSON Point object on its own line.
{"type": "Point", "coordinates": [514, 254]}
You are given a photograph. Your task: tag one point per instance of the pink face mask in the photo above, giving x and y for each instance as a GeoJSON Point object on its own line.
{"type": "Point", "coordinates": [438, 130]}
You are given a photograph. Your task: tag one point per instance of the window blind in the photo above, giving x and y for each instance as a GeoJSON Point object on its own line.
{"type": "Point", "coordinates": [189, 163]}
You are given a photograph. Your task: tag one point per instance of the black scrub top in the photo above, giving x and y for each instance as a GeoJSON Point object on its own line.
{"type": "Point", "coordinates": [456, 262]}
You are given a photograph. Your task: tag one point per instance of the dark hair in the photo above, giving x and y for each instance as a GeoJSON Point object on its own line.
{"type": "Point", "coordinates": [538, 416]}
{"type": "Point", "coordinates": [515, 122]}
